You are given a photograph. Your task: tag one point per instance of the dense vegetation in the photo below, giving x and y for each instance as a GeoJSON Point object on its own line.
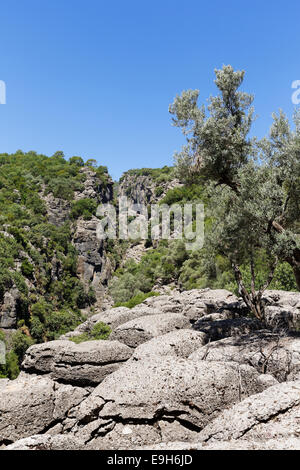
{"type": "Point", "coordinates": [36, 257]}
{"type": "Point", "coordinates": [158, 175]}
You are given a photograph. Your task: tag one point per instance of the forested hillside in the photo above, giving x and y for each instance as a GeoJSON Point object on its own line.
{"type": "Point", "coordinates": [41, 290]}
{"type": "Point", "coordinates": [54, 271]}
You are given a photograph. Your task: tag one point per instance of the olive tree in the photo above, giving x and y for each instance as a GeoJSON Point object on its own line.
{"type": "Point", "coordinates": [254, 185]}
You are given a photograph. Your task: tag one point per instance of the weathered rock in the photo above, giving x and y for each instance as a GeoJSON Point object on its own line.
{"type": "Point", "coordinates": [198, 303]}
{"type": "Point", "coordinates": [220, 329]}
{"type": "Point", "coordinates": [179, 343]}
{"type": "Point", "coordinates": [87, 363]}
{"type": "Point", "coordinates": [147, 402]}
{"type": "Point", "coordinates": [280, 298]}
{"type": "Point", "coordinates": [192, 304]}
{"type": "Point", "coordinates": [142, 189]}
{"type": "Point", "coordinates": [58, 209]}
{"type": "Point", "coordinates": [268, 352]}
{"type": "Point", "coordinates": [283, 318]}
{"type": "Point", "coordinates": [271, 414]}
{"type": "Point", "coordinates": [241, 444]}
{"type": "Point", "coordinates": [9, 308]}
{"type": "Point", "coordinates": [140, 330]}
{"type": "Point", "coordinates": [32, 405]}
{"type": "Point", "coordinates": [47, 442]}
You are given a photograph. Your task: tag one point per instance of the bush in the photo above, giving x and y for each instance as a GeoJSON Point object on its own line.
{"type": "Point", "coordinates": [100, 331]}
{"type": "Point", "coordinates": [27, 269]}
{"type": "Point", "coordinates": [85, 208]}
{"type": "Point", "coordinates": [137, 299]}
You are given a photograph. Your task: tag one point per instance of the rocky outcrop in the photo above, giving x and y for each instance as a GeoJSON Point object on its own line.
{"type": "Point", "coordinates": [272, 414]}
{"type": "Point", "coordinates": [145, 401]}
{"type": "Point", "coordinates": [271, 353]}
{"type": "Point", "coordinates": [218, 329]}
{"type": "Point", "coordinates": [33, 405]}
{"type": "Point", "coordinates": [9, 308]}
{"type": "Point", "coordinates": [179, 343]}
{"type": "Point", "coordinates": [48, 442]}
{"type": "Point", "coordinates": [179, 371]}
{"type": "Point", "coordinates": [83, 364]}
{"type": "Point", "coordinates": [143, 189]}
{"type": "Point", "coordinates": [193, 305]}
{"type": "Point", "coordinates": [136, 332]}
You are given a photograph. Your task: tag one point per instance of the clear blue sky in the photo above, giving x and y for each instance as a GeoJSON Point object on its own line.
{"type": "Point", "coordinates": [95, 78]}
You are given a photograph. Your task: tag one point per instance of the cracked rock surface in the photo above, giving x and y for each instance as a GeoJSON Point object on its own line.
{"type": "Point", "coordinates": [33, 404]}
{"type": "Point", "coordinates": [140, 330]}
{"type": "Point", "coordinates": [179, 371]}
{"type": "Point", "coordinates": [272, 414]}
{"type": "Point", "coordinates": [144, 401]}
{"type": "Point", "coordinates": [87, 363]}
{"type": "Point", "coordinates": [268, 352]}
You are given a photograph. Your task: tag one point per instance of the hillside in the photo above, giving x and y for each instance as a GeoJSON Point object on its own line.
{"type": "Point", "coordinates": [53, 269]}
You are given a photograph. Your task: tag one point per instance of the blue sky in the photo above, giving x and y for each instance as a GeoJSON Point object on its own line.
{"type": "Point", "coordinates": [95, 78]}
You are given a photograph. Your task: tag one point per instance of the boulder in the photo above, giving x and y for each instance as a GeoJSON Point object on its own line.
{"type": "Point", "coordinates": [146, 402]}
{"type": "Point", "coordinates": [33, 405]}
{"type": "Point", "coordinates": [87, 363]}
{"type": "Point", "coordinates": [283, 318]}
{"type": "Point", "coordinates": [280, 298]}
{"type": "Point", "coordinates": [179, 343]}
{"type": "Point", "coordinates": [266, 351]}
{"type": "Point", "coordinates": [220, 329]}
{"type": "Point", "coordinates": [140, 330]}
{"type": "Point", "coordinates": [271, 414]}
{"type": "Point", "coordinates": [112, 317]}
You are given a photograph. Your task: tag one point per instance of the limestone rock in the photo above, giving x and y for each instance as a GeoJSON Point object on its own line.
{"type": "Point", "coordinates": [271, 414]}
{"type": "Point", "coordinates": [9, 308]}
{"type": "Point", "coordinates": [179, 343]}
{"type": "Point", "coordinates": [140, 330]}
{"type": "Point", "coordinates": [47, 442]}
{"type": "Point", "coordinates": [87, 363]}
{"type": "Point", "coordinates": [220, 329]}
{"type": "Point", "coordinates": [32, 405]}
{"type": "Point", "coordinates": [266, 351]}
{"type": "Point", "coordinates": [145, 402]}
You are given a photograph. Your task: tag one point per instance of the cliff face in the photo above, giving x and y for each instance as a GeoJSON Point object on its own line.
{"type": "Point", "coordinates": [147, 186]}
{"type": "Point", "coordinates": [68, 197]}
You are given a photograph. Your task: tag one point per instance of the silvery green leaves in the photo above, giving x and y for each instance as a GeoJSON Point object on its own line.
{"type": "Point", "coordinates": [254, 185]}
{"type": "Point", "coordinates": [218, 137]}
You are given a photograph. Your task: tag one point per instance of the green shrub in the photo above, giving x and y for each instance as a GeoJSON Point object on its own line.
{"type": "Point", "coordinates": [85, 208]}
{"type": "Point", "coordinates": [137, 299]}
{"type": "Point", "coordinates": [100, 331]}
{"type": "Point", "coordinates": [26, 268]}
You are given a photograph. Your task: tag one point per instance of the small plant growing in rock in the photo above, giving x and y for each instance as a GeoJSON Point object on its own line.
{"type": "Point", "coordinates": [100, 331]}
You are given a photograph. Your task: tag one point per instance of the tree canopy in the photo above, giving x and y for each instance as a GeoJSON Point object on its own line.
{"type": "Point", "coordinates": [254, 184]}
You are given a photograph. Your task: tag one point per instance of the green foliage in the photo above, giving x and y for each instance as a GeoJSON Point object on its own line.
{"type": "Point", "coordinates": [20, 343]}
{"type": "Point", "coordinates": [158, 175]}
{"type": "Point", "coordinates": [100, 331]}
{"type": "Point", "coordinates": [102, 174]}
{"type": "Point", "coordinates": [33, 249]}
{"type": "Point", "coordinates": [162, 263]}
{"type": "Point", "coordinates": [11, 367]}
{"type": "Point", "coordinates": [85, 208]}
{"type": "Point", "coordinates": [26, 268]}
{"type": "Point", "coordinates": [254, 186]}
{"type": "Point", "coordinates": [77, 161]}
{"type": "Point", "coordinates": [185, 194]}
{"type": "Point", "coordinates": [136, 300]}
